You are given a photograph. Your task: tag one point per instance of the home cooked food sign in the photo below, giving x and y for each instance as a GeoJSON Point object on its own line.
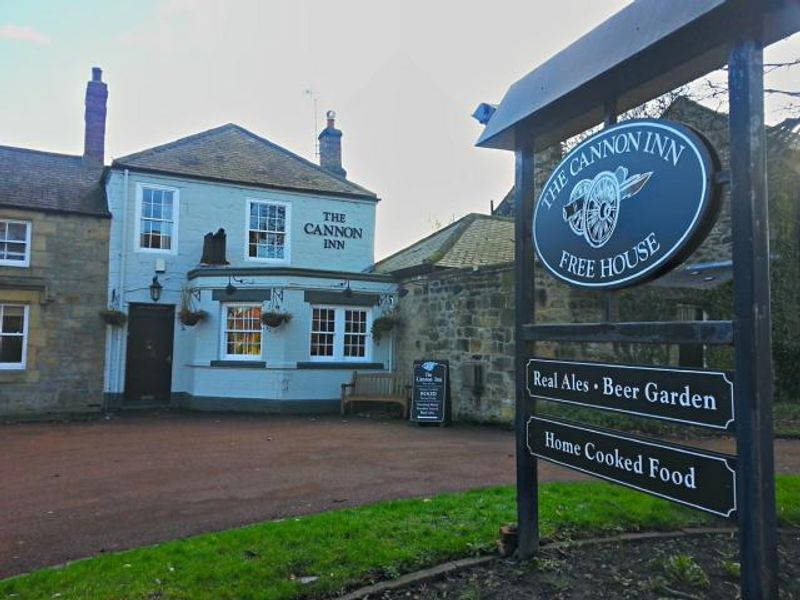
{"type": "Point", "coordinates": [627, 205]}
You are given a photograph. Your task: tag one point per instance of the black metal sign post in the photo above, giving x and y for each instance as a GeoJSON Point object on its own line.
{"type": "Point", "coordinates": [757, 521]}
{"type": "Point", "coordinates": [602, 197]}
{"type": "Point", "coordinates": [527, 469]}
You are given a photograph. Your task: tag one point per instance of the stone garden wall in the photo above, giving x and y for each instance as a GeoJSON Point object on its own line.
{"type": "Point", "coordinates": [466, 316]}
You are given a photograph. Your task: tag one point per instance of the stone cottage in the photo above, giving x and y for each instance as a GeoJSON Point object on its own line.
{"type": "Point", "coordinates": [54, 228]}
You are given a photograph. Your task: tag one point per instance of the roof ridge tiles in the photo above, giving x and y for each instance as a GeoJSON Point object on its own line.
{"type": "Point", "coordinates": [302, 182]}
{"type": "Point", "coordinates": [44, 152]}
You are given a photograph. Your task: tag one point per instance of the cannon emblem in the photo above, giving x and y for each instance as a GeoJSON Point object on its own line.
{"type": "Point", "coordinates": [593, 207]}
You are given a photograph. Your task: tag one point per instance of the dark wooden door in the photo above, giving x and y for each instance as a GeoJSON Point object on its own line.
{"type": "Point", "coordinates": [148, 372]}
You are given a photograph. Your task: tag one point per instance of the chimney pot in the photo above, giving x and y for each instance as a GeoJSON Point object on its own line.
{"type": "Point", "coordinates": [330, 147]}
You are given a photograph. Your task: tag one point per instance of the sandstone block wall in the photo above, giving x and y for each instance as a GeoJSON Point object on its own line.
{"type": "Point", "coordinates": [466, 316]}
{"type": "Point", "coordinates": [64, 287]}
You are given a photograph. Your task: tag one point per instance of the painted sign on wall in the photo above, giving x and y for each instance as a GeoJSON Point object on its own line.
{"type": "Point", "coordinates": [626, 205]}
{"type": "Point", "coordinates": [691, 396]}
{"type": "Point", "coordinates": [334, 230]}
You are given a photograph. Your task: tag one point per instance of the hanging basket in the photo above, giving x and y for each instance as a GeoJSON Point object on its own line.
{"type": "Point", "coordinates": [115, 318]}
{"type": "Point", "coordinates": [275, 319]}
{"type": "Point", "coordinates": [190, 318]}
{"type": "Point", "coordinates": [383, 325]}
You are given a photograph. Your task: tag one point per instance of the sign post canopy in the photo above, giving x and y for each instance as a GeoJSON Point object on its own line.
{"type": "Point", "coordinates": [646, 49]}
{"type": "Point", "coordinates": [627, 205]}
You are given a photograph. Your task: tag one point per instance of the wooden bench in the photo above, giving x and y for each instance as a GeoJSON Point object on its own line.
{"type": "Point", "coordinates": [376, 387]}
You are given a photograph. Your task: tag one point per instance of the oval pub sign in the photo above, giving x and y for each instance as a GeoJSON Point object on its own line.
{"type": "Point", "coordinates": [627, 205]}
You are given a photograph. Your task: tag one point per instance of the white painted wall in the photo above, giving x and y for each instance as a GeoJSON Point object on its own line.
{"type": "Point", "coordinates": [205, 207]}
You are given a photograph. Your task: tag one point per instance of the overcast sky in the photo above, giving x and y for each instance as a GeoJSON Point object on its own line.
{"type": "Point", "coordinates": [403, 77]}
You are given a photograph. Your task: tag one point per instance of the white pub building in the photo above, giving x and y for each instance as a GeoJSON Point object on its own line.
{"type": "Point", "coordinates": [244, 272]}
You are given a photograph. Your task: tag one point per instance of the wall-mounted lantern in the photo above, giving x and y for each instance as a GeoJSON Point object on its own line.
{"type": "Point", "coordinates": [155, 289]}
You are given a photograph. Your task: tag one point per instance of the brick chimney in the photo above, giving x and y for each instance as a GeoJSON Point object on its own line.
{"type": "Point", "coordinates": [330, 147]}
{"type": "Point", "coordinates": [94, 141]}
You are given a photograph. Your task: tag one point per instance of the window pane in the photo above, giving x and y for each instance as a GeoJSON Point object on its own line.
{"type": "Point", "coordinates": [13, 319]}
{"type": "Point", "coordinates": [15, 248]}
{"type": "Point", "coordinates": [323, 326]}
{"type": "Point", "coordinates": [16, 232]}
{"type": "Point", "coordinates": [10, 348]}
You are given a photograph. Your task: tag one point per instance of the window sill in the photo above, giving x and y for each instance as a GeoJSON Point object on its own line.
{"type": "Point", "coordinates": [340, 365]}
{"type": "Point", "coordinates": [239, 364]}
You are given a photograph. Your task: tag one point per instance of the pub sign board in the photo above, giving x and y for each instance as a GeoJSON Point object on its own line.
{"type": "Point", "coordinates": [694, 397]}
{"type": "Point", "coordinates": [627, 205]}
{"type": "Point", "coordinates": [702, 480]}
{"type": "Point", "coordinates": [430, 391]}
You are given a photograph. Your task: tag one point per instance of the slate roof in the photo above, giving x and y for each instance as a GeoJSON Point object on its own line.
{"type": "Point", "coordinates": [473, 241]}
{"type": "Point", "coordinates": [234, 154]}
{"type": "Point", "coordinates": [35, 180]}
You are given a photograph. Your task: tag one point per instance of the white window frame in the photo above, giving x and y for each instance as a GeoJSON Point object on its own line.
{"type": "Point", "coordinates": [223, 339]}
{"type": "Point", "coordinates": [176, 201]}
{"type": "Point", "coordinates": [287, 235]}
{"type": "Point", "coordinates": [339, 333]}
{"type": "Point", "coordinates": [4, 262]}
{"type": "Point", "coordinates": [20, 366]}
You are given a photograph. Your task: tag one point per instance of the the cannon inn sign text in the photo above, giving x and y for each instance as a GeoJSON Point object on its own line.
{"type": "Point", "coordinates": [627, 205]}
{"type": "Point", "coordinates": [702, 480]}
{"type": "Point", "coordinates": [694, 397]}
{"type": "Point", "coordinates": [334, 230]}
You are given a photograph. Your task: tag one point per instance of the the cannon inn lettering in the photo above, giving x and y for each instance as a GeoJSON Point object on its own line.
{"type": "Point", "coordinates": [334, 230]}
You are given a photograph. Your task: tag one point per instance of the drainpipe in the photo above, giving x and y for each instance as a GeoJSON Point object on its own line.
{"type": "Point", "coordinates": [122, 267]}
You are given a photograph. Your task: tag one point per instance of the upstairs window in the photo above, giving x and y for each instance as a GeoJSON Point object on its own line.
{"type": "Point", "coordinates": [13, 335]}
{"type": "Point", "coordinates": [157, 218]}
{"type": "Point", "coordinates": [241, 334]}
{"type": "Point", "coordinates": [339, 333]}
{"type": "Point", "coordinates": [267, 231]}
{"type": "Point", "coordinates": [15, 243]}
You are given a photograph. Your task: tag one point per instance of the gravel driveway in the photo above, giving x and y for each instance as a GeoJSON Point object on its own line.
{"type": "Point", "coordinates": [70, 490]}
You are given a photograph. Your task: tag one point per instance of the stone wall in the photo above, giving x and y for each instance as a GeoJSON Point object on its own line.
{"type": "Point", "coordinates": [466, 316]}
{"type": "Point", "coordinates": [64, 287]}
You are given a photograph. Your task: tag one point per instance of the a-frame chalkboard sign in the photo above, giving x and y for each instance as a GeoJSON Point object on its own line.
{"type": "Point", "coordinates": [430, 392]}
{"type": "Point", "coordinates": [599, 223]}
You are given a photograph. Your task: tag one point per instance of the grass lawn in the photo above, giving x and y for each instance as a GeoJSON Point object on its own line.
{"type": "Point", "coordinates": [350, 547]}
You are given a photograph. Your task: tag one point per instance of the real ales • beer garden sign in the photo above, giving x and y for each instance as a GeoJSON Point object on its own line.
{"type": "Point", "coordinates": [626, 205]}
